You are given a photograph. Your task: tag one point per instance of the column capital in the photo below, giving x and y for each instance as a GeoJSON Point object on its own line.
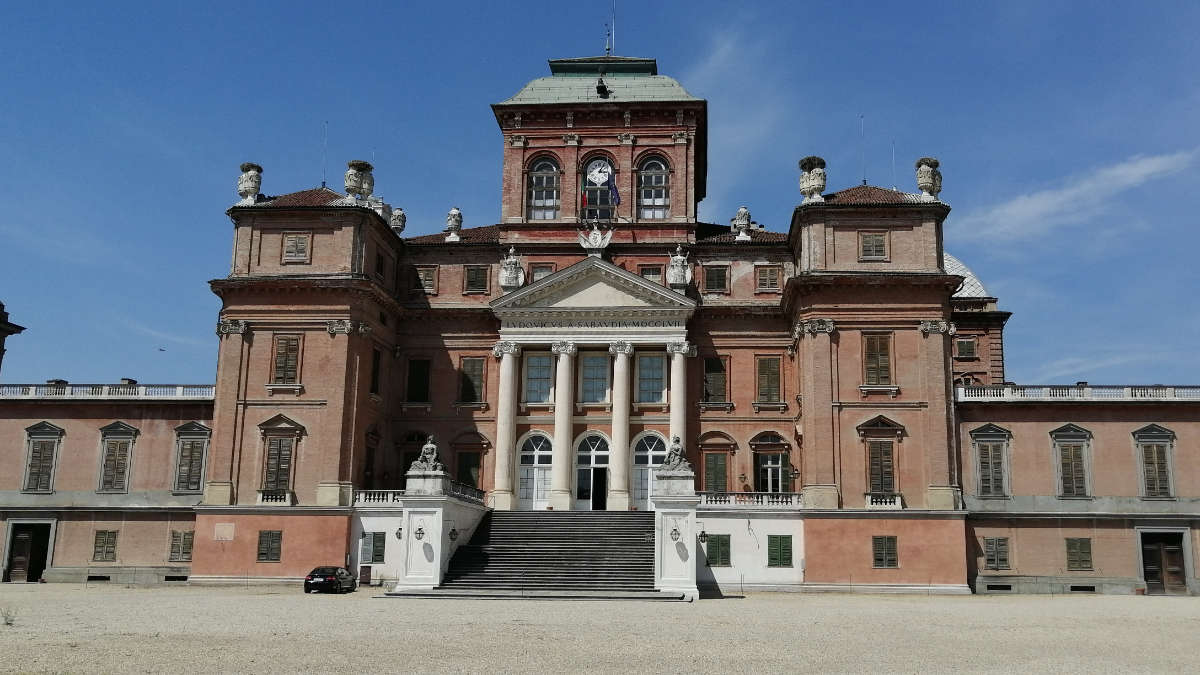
{"type": "Point", "coordinates": [813, 327]}
{"type": "Point", "coordinates": [568, 348]}
{"type": "Point", "coordinates": [685, 348]}
{"type": "Point", "coordinates": [938, 326]}
{"type": "Point", "coordinates": [506, 347]}
{"type": "Point", "coordinates": [620, 348]}
{"type": "Point", "coordinates": [232, 327]}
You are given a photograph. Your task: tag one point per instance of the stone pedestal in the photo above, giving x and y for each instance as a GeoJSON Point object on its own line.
{"type": "Point", "coordinates": [675, 501]}
{"type": "Point", "coordinates": [335, 493]}
{"type": "Point", "coordinates": [434, 483]}
{"type": "Point", "coordinates": [942, 498]}
{"type": "Point", "coordinates": [218, 493]}
{"type": "Point", "coordinates": [820, 496]}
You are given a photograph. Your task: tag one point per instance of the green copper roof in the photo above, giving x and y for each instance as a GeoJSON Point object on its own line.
{"type": "Point", "coordinates": [628, 79]}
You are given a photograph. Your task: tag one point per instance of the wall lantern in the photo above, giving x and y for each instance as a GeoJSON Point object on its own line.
{"type": "Point", "coordinates": [453, 534]}
{"type": "Point", "coordinates": [674, 534]}
{"type": "Point", "coordinates": [703, 537]}
{"type": "Point", "coordinates": [420, 533]}
{"type": "Point", "coordinates": [399, 533]}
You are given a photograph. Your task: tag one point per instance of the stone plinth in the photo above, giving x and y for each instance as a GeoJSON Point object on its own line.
{"type": "Point", "coordinates": [675, 501]}
{"type": "Point", "coordinates": [820, 496]}
{"type": "Point", "coordinates": [432, 483]}
{"type": "Point", "coordinates": [335, 493]}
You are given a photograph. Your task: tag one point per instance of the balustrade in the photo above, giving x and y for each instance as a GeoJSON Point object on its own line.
{"type": "Point", "coordinates": [751, 500]}
{"type": "Point", "coordinates": [1077, 392]}
{"type": "Point", "coordinates": [108, 391]}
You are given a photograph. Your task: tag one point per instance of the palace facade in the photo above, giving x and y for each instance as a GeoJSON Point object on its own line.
{"type": "Point", "coordinates": [837, 391]}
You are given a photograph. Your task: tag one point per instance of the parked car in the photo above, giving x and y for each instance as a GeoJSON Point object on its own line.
{"type": "Point", "coordinates": [336, 579]}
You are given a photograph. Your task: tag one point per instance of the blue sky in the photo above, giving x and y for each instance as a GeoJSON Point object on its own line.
{"type": "Point", "coordinates": [1067, 133]}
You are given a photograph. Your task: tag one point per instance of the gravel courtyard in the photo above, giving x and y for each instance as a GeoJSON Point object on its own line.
{"type": "Point", "coordinates": [71, 628]}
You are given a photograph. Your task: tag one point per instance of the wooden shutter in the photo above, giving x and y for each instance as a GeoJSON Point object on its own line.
{"type": "Point", "coordinates": [714, 279]}
{"type": "Point", "coordinates": [995, 553]}
{"type": "Point", "coordinates": [991, 469]}
{"type": "Point", "coordinates": [471, 381]}
{"type": "Point", "coordinates": [116, 465]}
{"type": "Point", "coordinates": [1002, 553]}
{"type": "Point", "coordinates": [714, 380]}
{"type": "Point", "coordinates": [878, 361]}
{"type": "Point", "coordinates": [717, 550]}
{"type": "Point", "coordinates": [715, 479]}
{"type": "Point", "coordinates": [41, 465]}
{"type": "Point", "coordinates": [378, 542]}
{"type": "Point", "coordinates": [881, 466]}
{"type": "Point", "coordinates": [176, 545]}
{"type": "Point", "coordinates": [1154, 465]}
{"type": "Point", "coordinates": [768, 278]}
{"type": "Point", "coordinates": [477, 278]}
{"type": "Point", "coordinates": [883, 549]}
{"type": "Point", "coordinates": [287, 359]}
{"type": "Point", "coordinates": [1079, 553]}
{"type": "Point", "coordinates": [768, 380]}
{"type": "Point", "coordinates": [191, 463]}
{"type": "Point", "coordinates": [104, 547]}
{"type": "Point", "coordinates": [1074, 482]}
{"type": "Point", "coordinates": [367, 549]}
{"type": "Point", "coordinates": [181, 545]}
{"type": "Point", "coordinates": [279, 463]}
{"type": "Point", "coordinates": [779, 550]}
{"type": "Point", "coordinates": [270, 544]}
{"type": "Point", "coordinates": [426, 275]}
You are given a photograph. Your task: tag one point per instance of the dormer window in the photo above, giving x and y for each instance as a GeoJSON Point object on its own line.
{"type": "Point", "coordinates": [654, 190]}
{"type": "Point", "coordinates": [544, 190]}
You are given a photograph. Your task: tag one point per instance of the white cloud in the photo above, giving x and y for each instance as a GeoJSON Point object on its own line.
{"type": "Point", "coordinates": [1076, 366]}
{"type": "Point", "coordinates": [168, 337]}
{"type": "Point", "coordinates": [1078, 200]}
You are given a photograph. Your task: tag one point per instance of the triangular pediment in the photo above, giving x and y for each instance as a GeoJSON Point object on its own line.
{"type": "Point", "coordinates": [44, 429]}
{"type": "Point", "coordinates": [193, 429]}
{"type": "Point", "coordinates": [991, 430]}
{"type": "Point", "coordinates": [1154, 432]}
{"type": "Point", "coordinates": [118, 428]}
{"type": "Point", "coordinates": [1071, 431]}
{"type": "Point", "coordinates": [880, 426]}
{"type": "Point", "coordinates": [282, 423]}
{"type": "Point", "coordinates": [593, 283]}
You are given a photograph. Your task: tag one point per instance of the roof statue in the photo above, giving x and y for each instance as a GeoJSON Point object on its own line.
{"type": "Point", "coordinates": [679, 272]}
{"type": "Point", "coordinates": [428, 459]}
{"type": "Point", "coordinates": [512, 276]}
{"type": "Point", "coordinates": [398, 219]}
{"type": "Point", "coordinates": [454, 222]}
{"type": "Point", "coordinates": [595, 241]}
{"type": "Point", "coordinates": [741, 224]}
{"type": "Point", "coordinates": [675, 460]}
{"type": "Point", "coordinates": [812, 181]}
{"type": "Point", "coordinates": [359, 181]}
{"type": "Point", "coordinates": [249, 183]}
{"type": "Point", "coordinates": [929, 179]}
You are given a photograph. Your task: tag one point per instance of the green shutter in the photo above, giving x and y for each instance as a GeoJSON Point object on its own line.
{"type": "Point", "coordinates": [367, 548]}
{"type": "Point", "coordinates": [772, 551]}
{"type": "Point", "coordinates": [378, 542]}
{"type": "Point", "coordinates": [768, 380]}
{"type": "Point", "coordinates": [715, 479]}
{"type": "Point", "coordinates": [881, 467]}
{"type": "Point", "coordinates": [714, 380]}
{"type": "Point", "coordinates": [779, 550]}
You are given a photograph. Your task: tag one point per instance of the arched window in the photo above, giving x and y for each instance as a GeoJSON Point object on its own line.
{"type": "Point", "coordinates": [599, 189]}
{"type": "Point", "coordinates": [544, 194]}
{"type": "Point", "coordinates": [654, 189]}
{"type": "Point", "coordinates": [649, 451]}
{"type": "Point", "coordinates": [536, 450]}
{"type": "Point", "coordinates": [591, 460]}
{"type": "Point", "coordinates": [536, 458]}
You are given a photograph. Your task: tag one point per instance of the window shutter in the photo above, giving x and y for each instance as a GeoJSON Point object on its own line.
{"type": "Point", "coordinates": [989, 553]}
{"type": "Point", "coordinates": [104, 547]}
{"type": "Point", "coordinates": [878, 360]}
{"type": "Point", "coordinates": [1002, 553]}
{"type": "Point", "coordinates": [715, 479]}
{"type": "Point", "coordinates": [191, 462]}
{"type": "Point", "coordinates": [264, 545]}
{"type": "Point", "coordinates": [98, 545]}
{"type": "Point", "coordinates": [881, 466]}
{"type": "Point", "coordinates": [378, 541]}
{"type": "Point", "coordinates": [176, 545]}
{"type": "Point", "coordinates": [276, 545]}
{"type": "Point", "coordinates": [279, 463]}
{"type": "Point", "coordinates": [772, 551]}
{"type": "Point", "coordinates": [367, 548]}
{"type": "Point", "coordinates": [41, 465]}
{"type": "Point", "coordinates": [723, 550]}
{"type": "Point", "coordinates": [768, 380]}
{"type": "Point", "coordinates": [471, 381]}
{"type": "Point", "coordinates": [714, 380]}
{"type": "Point", "coordinates": [116, 464]}
{"type": "Point", "coordinates": [1154, 465]}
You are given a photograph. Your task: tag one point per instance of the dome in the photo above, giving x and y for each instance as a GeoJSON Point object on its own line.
{"type": "Point", "coordinates": [971, 286]}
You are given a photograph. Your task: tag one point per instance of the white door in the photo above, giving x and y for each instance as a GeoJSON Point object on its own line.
{"type": "Point", "coordinates": [648, 453]}
{"type": "Point", "coordinates": [533, 492]}
{"type": "Point", "coordinates": [591, 473]}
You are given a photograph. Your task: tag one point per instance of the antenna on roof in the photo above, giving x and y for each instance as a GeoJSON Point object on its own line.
{"type": "Point", "coordinates": [893, 164]}
{"type": "Point", "coordinates": [324, 150]}
{"type": "Point", "coordinates": [614, 27]}
{"type": "Point", "coordinates": [862, 145]}
{"type": "Point", "coordinates": [607, 40]}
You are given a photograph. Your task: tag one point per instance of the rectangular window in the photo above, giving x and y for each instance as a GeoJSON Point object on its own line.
{"type": "Point", "coordinates": [995, 553]}
{"type": "Point", "coordinates": [467, 466]}
{"type": "Point", "coordinates": [594, 382]}
{"type": "Point", "coordinates": [373, 544]}
{"type": "Point", "coordinates": [882, 467]}
{"type": "Point", "coordinates": [296, 247]}
{"type": "Point", "coordinates": [1079, 553]}
{"type": "Point", "coordinates": [539, 271]}
{"type": "Point", "coordinates": [991, 469]}
{"type": "Point", "coordinates": [716, 472]}
{"type": "Point", "coordinates": [470, 383]}
{"type": "Point", "coordinates": [771, 472]}
{"type": "Point", "coordinates": [475, 278]}
{"type": "Point", "coordinates": [270, 545]}
{"type": "Point", "coordinates": [417, 390]}
{"type": "Point", "coordinates": [538, 373]}
{"type": "Point", "coordinates": [428, 279]}
{"type": "Point", "coordinates": [883, 552]}
{"type": "Point", "coordinates": [287, 360]}
{"type": "Point", "coordinates": [1073, 471]}
{"type": "Point", "coordinates": [651, 273]}
{"type": "Point", "coordinates": [965, 348]}
{"type": "Point", "coordinates": [104, 548]}
{"type": "Point", "coordinates": [1155, 471]}
{"type": "Point", "coordinates": [376, 357]}
{"type": "Point", "coordinates": [278, 472]}
{"type": "Point", "coordinates": [181, 546]}
{"type": "Point", "coordinates": [716, 279]}
{"type": "Point", "coordinates": [872, 245]}
{"type": "Point", "coordinates": [189, 476]}
{"type": "Point", "coordinates": [767, 368]}
{"type": "Point", "coordinates": [652, 377]}
{"type": "Point", "coordinates": [717, 550]}
{"type": "Point", "coordinates": [715, 380]}
{"type": "Point", "coordinates": [115, 467]}
{"type": "Point", "coordinates": [380, 266]}
{"type": "Point", "coordinates": [41, 465]}
{"type": "Point", "coordinates": [768, 278]}
{"type": "Point", "coordinates": [877, 361]}
{"type": "Point", "coordinates": [779, 550]}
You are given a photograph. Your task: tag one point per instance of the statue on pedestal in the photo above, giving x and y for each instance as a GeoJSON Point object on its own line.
{"type": "Point", "coordinates": [428, 459]}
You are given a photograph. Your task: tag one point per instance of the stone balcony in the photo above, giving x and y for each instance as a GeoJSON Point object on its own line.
{"type": "Point", "coordinates": [883, 501]}
{"type": "Point", "coordinates": [1077, 392]}
{"type": "Point", "coordinates": [757, 501]}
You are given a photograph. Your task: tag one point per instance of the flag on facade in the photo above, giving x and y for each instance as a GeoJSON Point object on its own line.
{"type": "Point", "coordinates": [612, 190]}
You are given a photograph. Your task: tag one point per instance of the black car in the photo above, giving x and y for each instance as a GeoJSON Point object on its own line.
{"type": "Point", "coordinates": [336, 579]}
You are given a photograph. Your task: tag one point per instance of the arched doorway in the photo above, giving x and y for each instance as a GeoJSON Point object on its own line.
{"type": "Point", "coordinates": [591, 472]}
{"type": "Point", "coordinates": [772, 463]}
{"type": "Point", "coordinates": [649, 451]}
{"type": "Point", "coordinates": [536, 459]}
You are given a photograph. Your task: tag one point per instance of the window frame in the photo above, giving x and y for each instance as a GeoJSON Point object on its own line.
{"type": "Point", "coordinates": [481, 394]}
{"type": "Point", "coordinates": [776, 549]}
{"type": "Point", "coordinates": [872, 372]}
{"type": "Point", "coordinates": [725, 267]}
{"type": "Point", "coordinates": [974, 342]}
{"type": "Point", "coordinates": [105, 551]}
{"type": "Point", "coordinates": [704, 389]}
{"type": "Point", "coordinates": [722, 543]}
{"type": "Point", "coordinates": [117, 432]}
{"type": "Point", "coordinates": [42, 432]}
{"type": "Point", "coordinates": [1068, 436]}
{"type": "Point", "coordinates": [652, 204]}
{"type": "Point", "coordinates": [862, 240]}
{"type": "Point", "coordinates": [758, 385]}
{"type": "Point", "coordinates": [885, 552]}
{"type": "Point", "coordinates": [637, 377]}
{"type": "Point", "coordinates": [758, 278]}
{"type": "Point", "coordinates": [1082, 546]}
{"type": "Point", "coordinates": [642, 269]}
{"type": "Point", "coordinates": [190, 433]}
{"type": "Point", "coordinates": [274, 546]}
{"type": "Point", "coordinates": [579, 393]}
{"type": "Point", "coordinates": [1155, 435]}
{"type": "Point", "coordinates": [487, 279]}
{"type": "Point", "coordinates": [991, 434]}
{"type": "Point", "coordinates": [275, 378]}
{"type": "Point", "coordinates": [432, 289]}
{"type": "Point", "coordinates": [585, 185]}
{"type": "Point", "coordinates": [997, 553]}
{"type": "Point", "coordinates": [553, 211]}
{"type": "Point", "coordinates": [181, 545]}
{"type": "Point", "coordinates": [533, 269]}
{"type": "Point", "coordinates": [525, 378]}
{"type": "Point", "coordinates": [295, 259]}
{"type": "Point", "coordinates": [428, 380]}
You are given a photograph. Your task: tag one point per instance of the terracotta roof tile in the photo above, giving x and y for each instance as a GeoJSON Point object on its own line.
{"type": "Point", "coordinates": [869, 194]}
{"type": "Point", "coordinates": [756, 237]}
{"type": "Point", "coordinates": [487, 234]}
{"type": "Point", "coordinates": [321, 196]}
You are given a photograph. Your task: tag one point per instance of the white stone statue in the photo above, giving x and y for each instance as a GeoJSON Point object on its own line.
{"type": "Point", "coordinates": [812, 181]}
{"type": "Point", "coordinates": [675, 460]}
{"type": "Point", "coordinates": [679, 272]}
{"type": "Point", "coordinates": [511, 275]}
{"type": "Point", "coordinates": [428, 459]}
{"type": "Point", "coordinates": [929, 179]}
{"type": "Point", "coordinates": [398, 220]}
{"type": "Point", "coordinates": [453, 224]}
{"type": "Point", "coordinates": [249, 182]}
{"type": "Point", "coordinates": [359, 181]}
{"type": "Point", "coordinates": [741, 224]}
{"type": "Point", "coordinates": [594, 241]}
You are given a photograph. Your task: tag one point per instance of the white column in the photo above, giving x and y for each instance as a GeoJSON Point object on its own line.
{"type": "Point", "coordinates": [564, 409]}
{"type": "Point", "coordinates": [618, 454]}
{"type": "Point", "coordinates": [679, 352]}
{"type": "Point", "coordinates": [503, 497]}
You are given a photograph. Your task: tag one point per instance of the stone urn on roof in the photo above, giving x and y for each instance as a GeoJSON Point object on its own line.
{"type": "Point", "coordinates": [812, 180]}
{"type": "Point", "coordinates": [454, 220]}
{"type": "Point", "coordinates": [929, 178]}
{"type": "Point", "coordinates": [249, 183]}
{"type": "Point", "coordinates": [360, 183]}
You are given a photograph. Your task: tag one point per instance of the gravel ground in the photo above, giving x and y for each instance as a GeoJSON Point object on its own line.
{"type": "Point", "coordinates": [71, 628]}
